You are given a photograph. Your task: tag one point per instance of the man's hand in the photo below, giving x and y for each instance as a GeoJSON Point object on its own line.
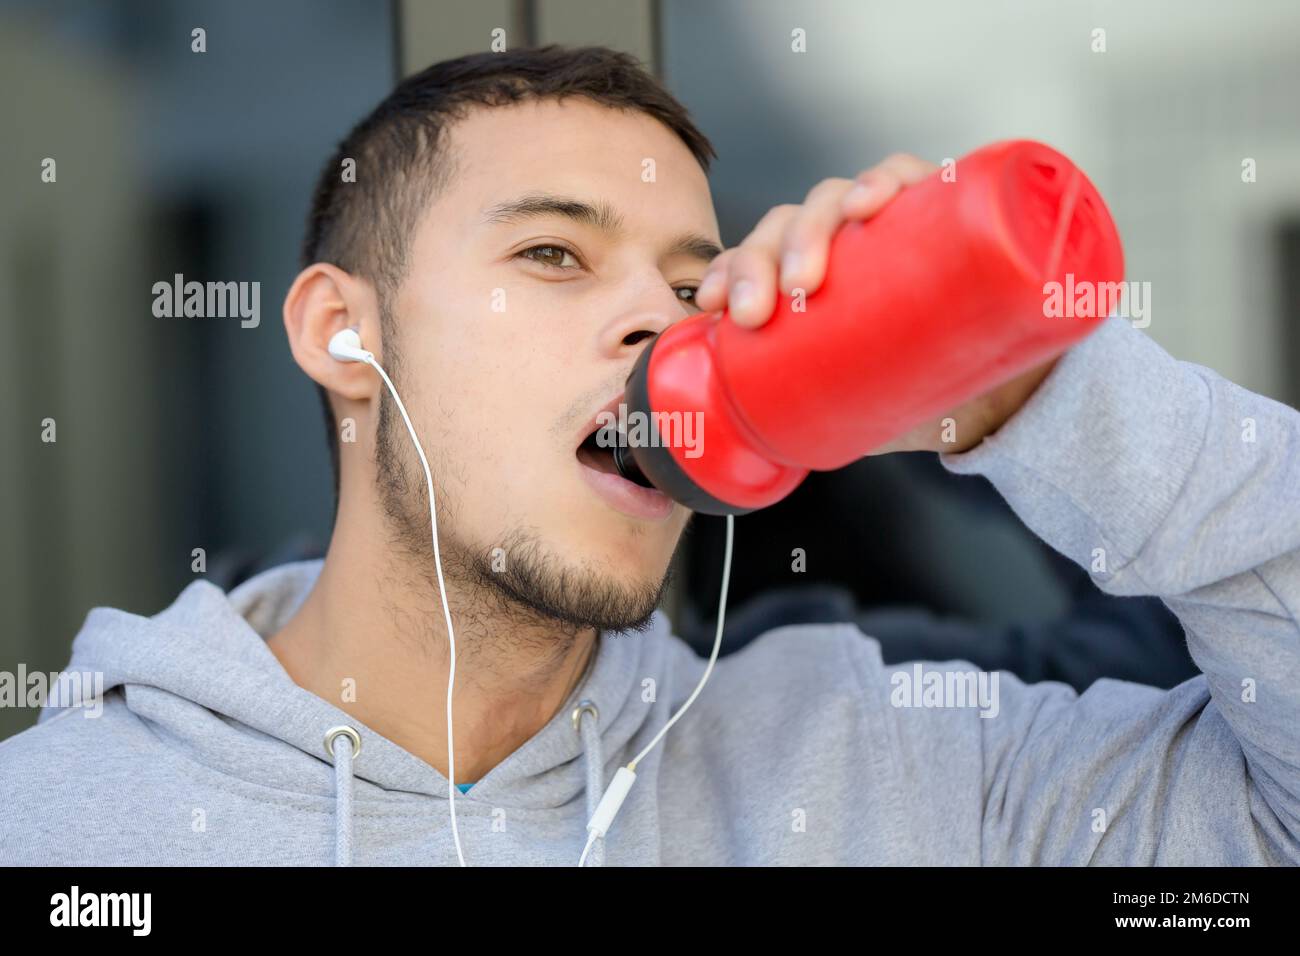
{"type": "Point", "coordinates": [788, 250]}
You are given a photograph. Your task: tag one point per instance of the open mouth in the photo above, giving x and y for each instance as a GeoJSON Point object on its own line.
{"type": "Point", "coordinates": [595, 456]}
{"type": "Point", "coordinates": [597, 449]}
{"type": "Point", "coordinates": [596, 460]}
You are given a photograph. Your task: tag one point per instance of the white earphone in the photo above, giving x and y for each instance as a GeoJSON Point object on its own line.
{"type": "Point", "coordinates": [345, 346]}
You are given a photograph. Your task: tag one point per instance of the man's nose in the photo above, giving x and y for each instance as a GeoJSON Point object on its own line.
{"type": "Point", "coordinates": [626, 334]}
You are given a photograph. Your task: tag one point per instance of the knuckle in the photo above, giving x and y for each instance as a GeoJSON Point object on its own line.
{"type": "Point", "coordinates": [720, 262]}
{"type": "Point", "coordinates": [829, 187]}
{"type": "Point", "coordinates": [747, 261]}
{"type": "Point", "coordinates": [787, 210]}
{"type": "Point", "coordinates": [800, 233]}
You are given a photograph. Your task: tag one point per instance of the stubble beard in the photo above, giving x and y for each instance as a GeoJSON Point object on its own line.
{"type": "Point", "coordinates": [519, 580]}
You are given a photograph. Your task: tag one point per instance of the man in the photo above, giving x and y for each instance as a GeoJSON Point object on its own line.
{"type": "Point", "coordinates": [520, 226]}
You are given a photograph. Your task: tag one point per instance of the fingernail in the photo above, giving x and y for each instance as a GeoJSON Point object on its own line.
{"type": "Point", "coordinates": [742, 295]}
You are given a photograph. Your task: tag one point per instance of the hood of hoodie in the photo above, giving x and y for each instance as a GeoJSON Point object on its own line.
{"type": "Point", "coordinates": [201, 674]}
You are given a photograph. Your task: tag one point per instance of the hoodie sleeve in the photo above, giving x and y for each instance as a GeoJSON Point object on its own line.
{"type": "Point", "coordinates": [1158, 477]}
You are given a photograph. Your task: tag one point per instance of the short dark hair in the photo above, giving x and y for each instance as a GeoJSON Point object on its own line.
{"type": "Point", "coordinates": [365, 227]}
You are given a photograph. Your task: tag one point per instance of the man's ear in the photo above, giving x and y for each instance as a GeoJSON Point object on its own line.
{"type": "Point", "coordinates": [323, 300]}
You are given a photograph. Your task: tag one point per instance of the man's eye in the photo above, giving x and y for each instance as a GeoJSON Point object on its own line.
{"type": "Point", "coordinates": [557, 257]}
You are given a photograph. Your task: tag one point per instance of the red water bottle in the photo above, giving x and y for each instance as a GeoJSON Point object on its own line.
{"type": "Point", "coordinates": [939, 298]}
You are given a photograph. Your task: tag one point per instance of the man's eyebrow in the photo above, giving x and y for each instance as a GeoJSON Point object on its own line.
{"type": "Point", "coordinates": [696, 246]}
{"type": "Point", "coordinates": [600, 214]}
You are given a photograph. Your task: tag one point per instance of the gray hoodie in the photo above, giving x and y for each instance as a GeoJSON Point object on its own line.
{"type": "Point", "coordinates": [1158, 476]}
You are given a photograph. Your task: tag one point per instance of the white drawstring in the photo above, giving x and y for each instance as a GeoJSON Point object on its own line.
{"type": "Point", "coordinates": [589, 731]}
{"type": "Point", "coordinates": [342, 744]}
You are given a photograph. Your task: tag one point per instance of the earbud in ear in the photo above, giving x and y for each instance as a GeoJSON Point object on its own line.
{"type": "Point", "coordinates": [345, 345]}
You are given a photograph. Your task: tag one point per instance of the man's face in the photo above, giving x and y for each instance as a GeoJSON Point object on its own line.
{"type": "Point", "coordinates": [517, 324]}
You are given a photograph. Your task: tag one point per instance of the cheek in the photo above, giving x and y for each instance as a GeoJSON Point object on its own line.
{"type": "Point", "coordinates": [490, 404]}
{"type": "Point", "coordinates": [492, 389]}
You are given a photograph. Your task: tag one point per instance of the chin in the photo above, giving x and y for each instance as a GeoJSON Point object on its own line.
{"type": "Point", "coordinates": [627, 549]}
{"type": "Point", "coordinates": [597, 580]}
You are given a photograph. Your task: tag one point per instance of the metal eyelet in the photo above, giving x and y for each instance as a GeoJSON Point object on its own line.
{"type": "Point", "coordinates": [577, 713]}
{"type": "Point", "coordinates": [346, 732]}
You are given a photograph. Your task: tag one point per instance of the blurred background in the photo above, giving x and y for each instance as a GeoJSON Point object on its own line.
{"type": "Point", "coordinates": [176, 434]}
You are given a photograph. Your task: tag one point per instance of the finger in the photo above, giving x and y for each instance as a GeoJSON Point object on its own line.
{"type": "Point", "coordinates": [751, 275]}
{"type": "Point", "coordinates": [909, 169]}
{"type": "Point", "coordinates": [878, 185]}
{"type": "Point", "coordinates": [874, 189]}
{"type": "Point", "coordinates": [711, 296]}
{"type": "Point", "coordinates": [807, 237]}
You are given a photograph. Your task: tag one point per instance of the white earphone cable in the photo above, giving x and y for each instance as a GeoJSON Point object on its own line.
{"type": "Point", "coordinates": [442, 590]}
{"type": "Point", "coordinates": [717, 643]}
{"type": "Point", "coordinates": [611, 801]}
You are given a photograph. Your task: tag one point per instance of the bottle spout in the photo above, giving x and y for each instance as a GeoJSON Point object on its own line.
{"type": "Point", "coordinates": [627, 467]}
